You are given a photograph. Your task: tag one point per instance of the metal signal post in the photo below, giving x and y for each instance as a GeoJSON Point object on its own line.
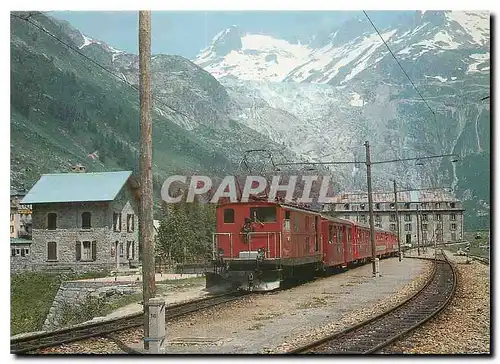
{"type": "Point", "coordinates": [145, 162]}
{"type": "Point", "coordinates": [397, 218]}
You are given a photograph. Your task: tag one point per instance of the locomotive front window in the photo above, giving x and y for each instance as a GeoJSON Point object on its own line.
{"type": "Point", "coordinates": [228, 216]}
{"type": "Point", "coordinates": [263, 214]}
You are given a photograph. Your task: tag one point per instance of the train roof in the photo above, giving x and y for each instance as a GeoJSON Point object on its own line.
{"type": "Point", "coordinates": [294, 207]}
{"type": "Point", "coordinates": [288, 206]}
{"type": "Point", "coordinates": [353, 223]}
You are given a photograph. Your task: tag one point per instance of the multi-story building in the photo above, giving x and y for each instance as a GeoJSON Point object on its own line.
{"type": "Point", "coordinates": [424, 216]}
{"type": "Point", "coordinates": [20, 216]}
{"type": "Point", "coordinates": [84, 221]}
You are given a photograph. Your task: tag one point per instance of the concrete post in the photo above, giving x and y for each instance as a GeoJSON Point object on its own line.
{"type": "Point", "coordinates": [377, 267]}
{"type": "Point", "coordinates": [156, 325]}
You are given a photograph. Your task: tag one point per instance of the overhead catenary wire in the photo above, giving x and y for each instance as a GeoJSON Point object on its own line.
{"type": "Point", "coordinates": [103, 67]}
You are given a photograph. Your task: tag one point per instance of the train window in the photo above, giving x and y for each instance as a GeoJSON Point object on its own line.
{"type": "Point", "coordinates": [286, 225]}
{"type": "Point", "coordinates": [287, 215]}
{"type": "Point", "coordinates": [263, 214]}
{"type": "Point", "coordinates": [330, 234]}
{"type": "Point", "coordinates": [348, 235]}
{"type": "Point", "coordinates": [341, 236]}
{"type": "Point", "coordinates": [307, 223]}
{"type": "Point", "coordinates": [228, 216]}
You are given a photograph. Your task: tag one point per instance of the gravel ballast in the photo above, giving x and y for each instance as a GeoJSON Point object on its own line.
{"type": "Point", "coordinates": [463, 327]}
{"type": "Point", "coordinates": [277, 322]}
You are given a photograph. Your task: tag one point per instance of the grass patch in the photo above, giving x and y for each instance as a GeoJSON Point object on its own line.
{"type": "Point", "coordinates": [32, 294]}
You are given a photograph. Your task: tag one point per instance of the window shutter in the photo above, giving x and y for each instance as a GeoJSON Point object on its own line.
{"type": "Point", "coordinates": [94, 250]}
{"type": "Point", "coordinates": [78, 249]}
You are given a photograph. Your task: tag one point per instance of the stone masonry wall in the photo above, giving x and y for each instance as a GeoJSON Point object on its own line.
{"type": "Point", "coordinates": [69, 231]}
{"type": "Point", "coordinates": [74, 294]}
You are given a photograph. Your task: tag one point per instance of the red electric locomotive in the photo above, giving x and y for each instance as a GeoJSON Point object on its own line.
{"type": "Point", "coordinates": [260, 244]}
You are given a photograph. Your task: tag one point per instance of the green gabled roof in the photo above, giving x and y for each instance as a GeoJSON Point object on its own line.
{"type": "Point", "coordinates": [77, 187]}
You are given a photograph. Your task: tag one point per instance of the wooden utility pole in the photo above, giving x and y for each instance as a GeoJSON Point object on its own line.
{"type": "Point", "coordinates": [146, 177]}
{"type": "Point", "coordinates": [370, 206]}
{"type": "Point", "coordinates": [397, 218]}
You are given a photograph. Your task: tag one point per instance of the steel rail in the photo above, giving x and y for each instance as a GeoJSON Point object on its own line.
{"type": "Point", "coordinates": [480, 259]}
{"type": "Point", "coordinates": [373, 326]}
{"type": "Point", "coordinates": [26, 344]}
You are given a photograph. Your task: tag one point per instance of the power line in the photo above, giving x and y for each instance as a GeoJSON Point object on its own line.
{"type": "Point", "coordinates": [101, 66]}
{"type": "Point", "coordinates": [406, 74]}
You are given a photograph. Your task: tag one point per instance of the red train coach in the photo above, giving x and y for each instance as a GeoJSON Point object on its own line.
{"type": "Point", "coordinates": [260, 244]}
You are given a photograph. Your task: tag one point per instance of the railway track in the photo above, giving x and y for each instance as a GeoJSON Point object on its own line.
{"type": "Point", "coordinates": [27, 344]}
{"type": "Point", "coordinates": [376, 333]}
{"type": "Point", "coordinates": [480, 259]}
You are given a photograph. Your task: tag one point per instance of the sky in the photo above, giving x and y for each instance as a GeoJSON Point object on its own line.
{"type": "Point", "coordinates": [186, 33]}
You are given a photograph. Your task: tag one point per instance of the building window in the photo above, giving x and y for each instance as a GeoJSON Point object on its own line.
{"type": "Point", "coordinates": [438, 217]}
{"type": "Point", "coordinates": [378, 218]}
{"type": "Point", "coordinates": [51, 250]}
{"type": "Point", "coordinates": [452, 205]}
{"type": "Point", "coordinates": [424, 217]}
{"type": "Point", "coordinates": [453, 226]}
{"type": "Point", "coordinates": [117, 221]}
{"type": "Point", "coordinates": [121, 249]}
{"type": "Point", "coordinates": [11, 217]}
{"type": "Point", "coordinates": [392, 205]}
{"type": "Point", "coordinates": [407, 205]}
{"type": "Point", "coordinates": [437, 205]}
{"type": "Point", "coordinates": [52, 221]}
{"type": "Point", "coordinates": [453, 236]}
{"type": "Point", "coordinates": [362, 206]}
{"type": "Point", "coordinates": [424, 205]}
{"type": "Point", "coordinates": [407, 217]}
{"type": "Point", "coordinates": [379, 225]}
{"type": "Point", "coordinates": [377, 206]}
{"type": "Point", "coordinates": [453, 217]}
{"type": "Point", "coordinates": [439, 237]}
{"type": "Point", "coordinates": [346, 206]}
{"type": "Point", "coordinates": [424, 227]}
{"type": "Point", "coordinates": [346, 217]}
{"type": "Point", "coordinates": [407, 227]}
{"type": "Point", "coordinates": [13, 252]}
{"type": "Point", "coordinates": [87, 250]}
{"type": "Point", "coordinates": [362, 218]}
{"type": "Point", "coordinates": [86, 220]}
{"type": "Point", "coordinates": [11, 229]}
{"type": "Point", "coordinates": [424, 236]}
{"type": "Point", "coordinates": [393, 227]}
{"type": "Point", "coordinates": [392, 217]}
{"type": "Point", "coordinates": [130, 223]}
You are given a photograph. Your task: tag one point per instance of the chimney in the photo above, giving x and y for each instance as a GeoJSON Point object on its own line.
{"type": "Point", "coordinates": [78, 168]}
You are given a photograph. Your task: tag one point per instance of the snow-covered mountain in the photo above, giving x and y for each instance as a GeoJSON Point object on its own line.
{"type": "Point", "coordinates": [262, 57]}
{"type": "Point", "coordinates": [326, 97]}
